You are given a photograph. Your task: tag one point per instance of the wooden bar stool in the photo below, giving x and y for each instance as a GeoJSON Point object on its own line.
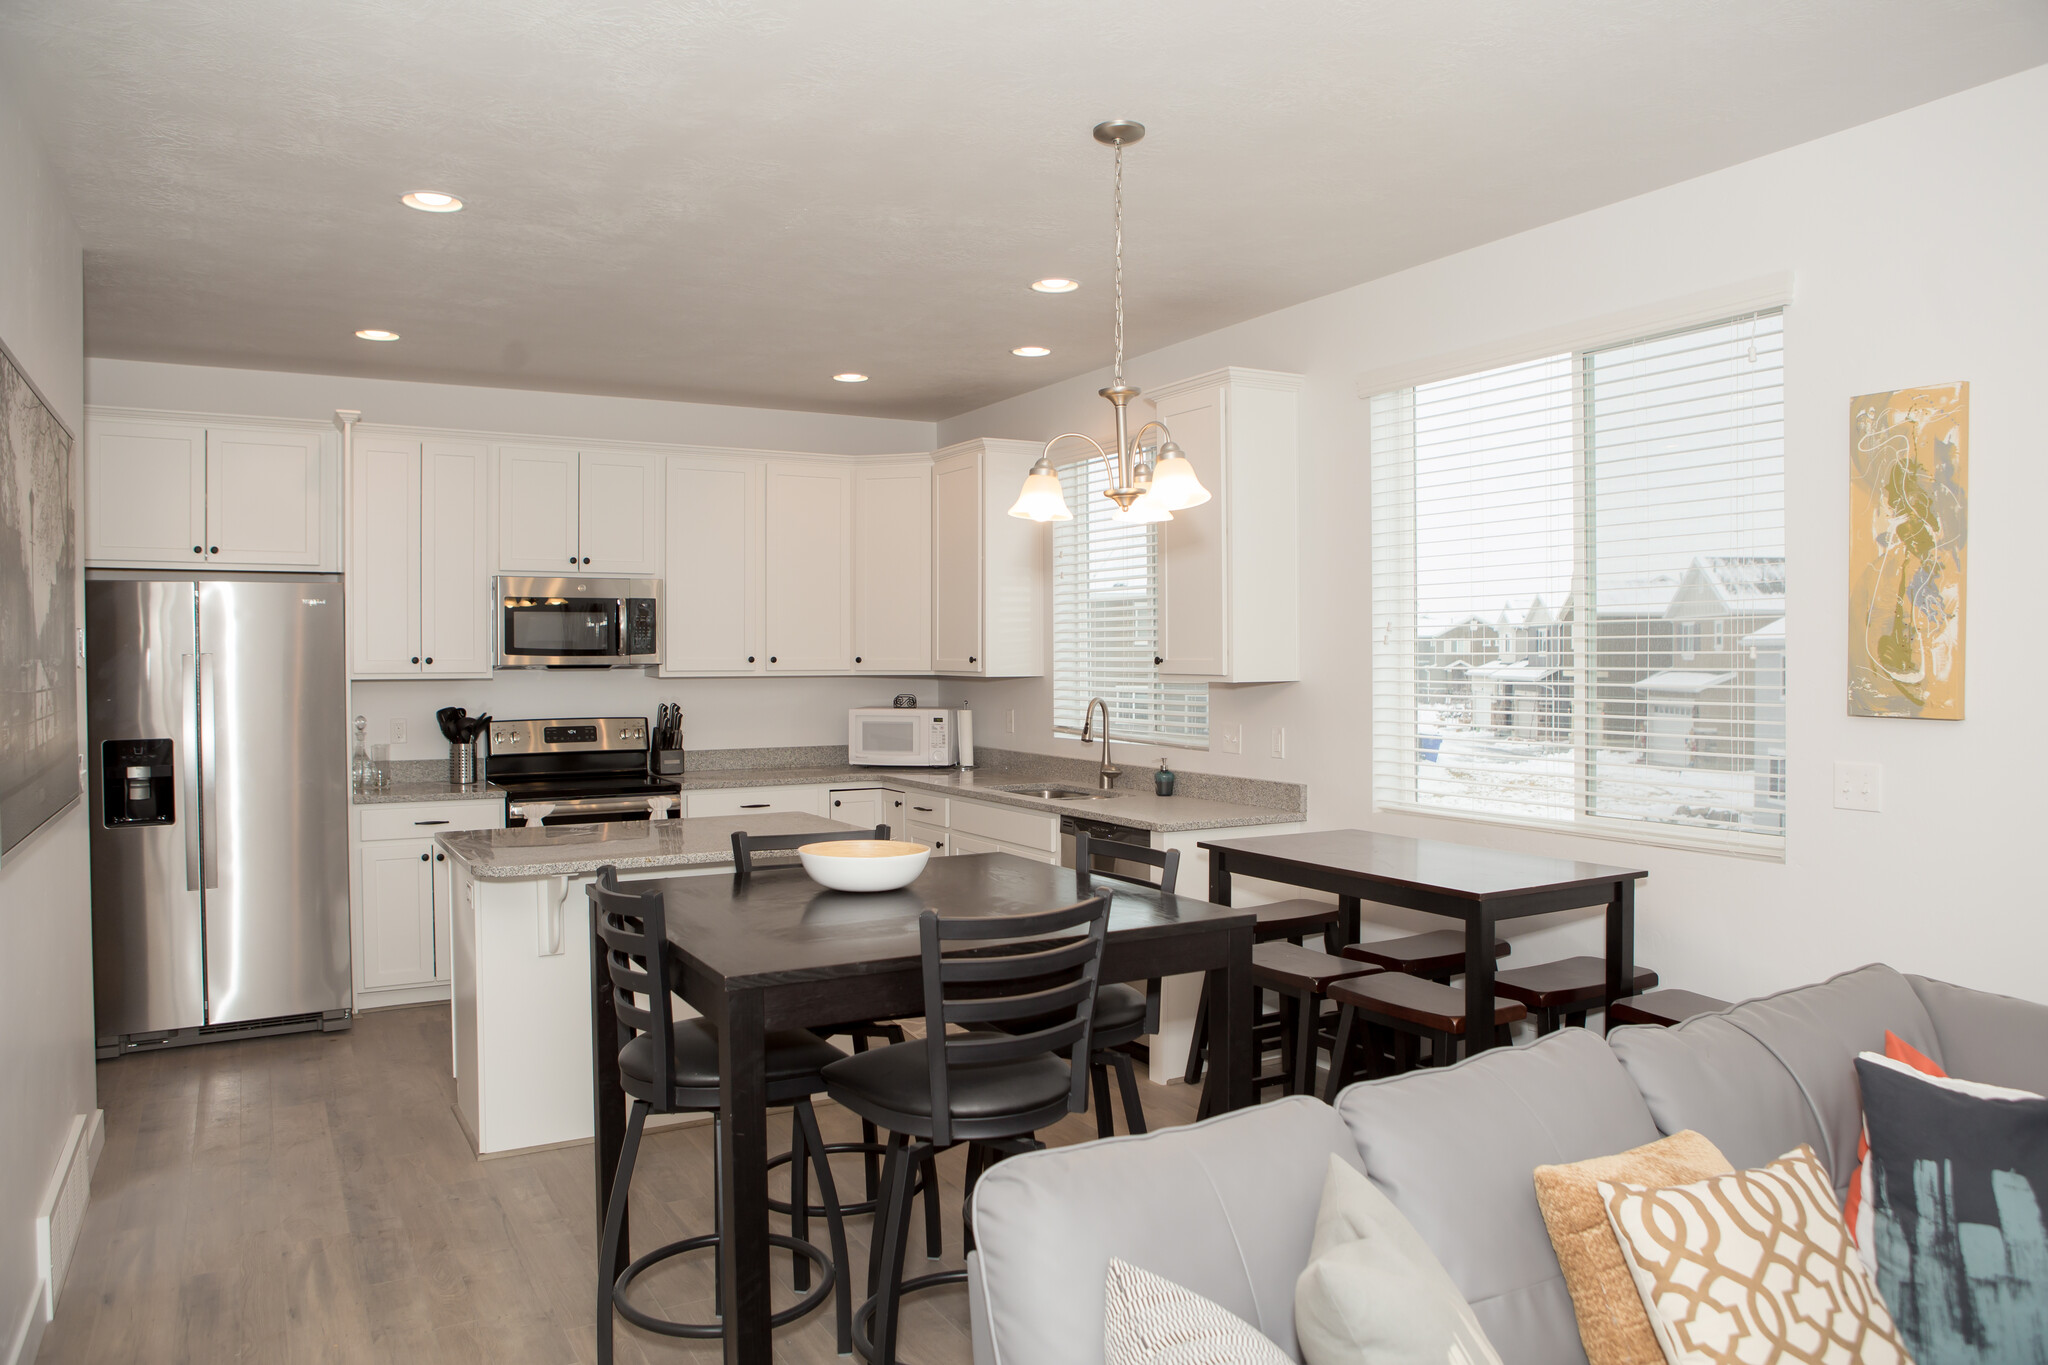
{"type": "Point", "coordinates": [1561, 992]}
{"type": "Point", "coordinates": [1413, 1009]}
{"type": "Point", "coordinates": [1288, 921]}
{"type": "Point", "coordinates": [1435, 957]}
{"type": "Point", "coordinates": [1663, 1008]}
{"type": "Point", "coordinates": [1301, 977]}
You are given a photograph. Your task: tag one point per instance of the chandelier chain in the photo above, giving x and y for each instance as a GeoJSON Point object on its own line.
{"type": "Point", "coordinates": [1119, 263]}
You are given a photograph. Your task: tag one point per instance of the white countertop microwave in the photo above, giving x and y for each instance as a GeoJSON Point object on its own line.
{"type": "Point", "coordinates": [900, 737]}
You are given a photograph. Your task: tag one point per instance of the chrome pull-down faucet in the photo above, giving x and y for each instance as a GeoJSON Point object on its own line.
{"type": "Point", "coordinates": [1110, 772]}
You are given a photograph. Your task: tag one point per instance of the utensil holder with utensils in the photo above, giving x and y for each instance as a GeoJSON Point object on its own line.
{"type": "Point", "coordinates": [465, 764]}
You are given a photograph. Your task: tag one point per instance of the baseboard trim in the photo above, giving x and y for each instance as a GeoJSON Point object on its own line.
{"type": "Point", "coordinates": [81, 1152]}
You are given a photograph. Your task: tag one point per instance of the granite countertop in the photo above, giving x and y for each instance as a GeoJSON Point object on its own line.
{"type": "Point", "coordinates": [496, 855]}
{"type": "Point", "coordinates": [441, 789]}
{"type": "Point", "coordinates": [1130, 808]}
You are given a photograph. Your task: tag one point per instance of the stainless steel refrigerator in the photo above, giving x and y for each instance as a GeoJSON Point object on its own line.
{"type": "Point", "coordinates": [219, 787]}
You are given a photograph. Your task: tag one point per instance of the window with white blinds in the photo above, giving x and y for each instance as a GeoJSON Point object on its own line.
{"type": "Point", "coordinates": [1579, 589]}
{"type": "Point", "coordinates": [1105, 616]}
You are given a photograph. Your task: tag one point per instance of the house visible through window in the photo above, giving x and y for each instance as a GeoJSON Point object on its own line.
{"type": "Point", "coordinates": [1607, 528]}
{"type": "Point", "coordinates": [1106, 623]}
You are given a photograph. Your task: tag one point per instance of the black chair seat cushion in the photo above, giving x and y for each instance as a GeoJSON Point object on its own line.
{"type": "Point", "coordinates": [898, 1078]}
{"type": "Point", "coordinates": [792, 1055]}
{"type": "Point", "coordinates": [1117, 1007]}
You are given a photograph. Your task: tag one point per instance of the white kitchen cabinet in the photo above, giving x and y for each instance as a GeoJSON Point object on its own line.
{"type": "Point", "coordinates": [403, 895]}
{"type": "Point", "coordinates": [1011, 825]}
{"type": "Point", "coordinates": [963, 843]}
{"type": "Point", "coordinates": [418, 571]}
{"type": "Point", "coordinates": [564, 511]}
{"type": "Point", "coordinates": [868, 807]}
{"type": "Point", "coordinates": [807, 583]}
{"type": "Point", "coordinates": [184, 495]}
{"type": "Point", "coordinates": [1230, 578]}
{"type": "Point", "coordinates": [145, 494]}
{"type": "Point", "coordinates": [988, 568]}
{"type": "Point", "coordinates": [711, 601]}
{"type": "Point", "coordinates": [398, 914]}
{"type": "Point", "coordinates": [757, 801]}
{"type": "Point", "coordinates": [892, 567]}
{"type": "Point", "coordinates": [933, 837]}
{"type": "Point", "coordinates": [618, 500]}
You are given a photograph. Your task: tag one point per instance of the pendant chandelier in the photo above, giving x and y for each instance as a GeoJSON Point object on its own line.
{"type": "Point", "coordinates": [1149, 478]}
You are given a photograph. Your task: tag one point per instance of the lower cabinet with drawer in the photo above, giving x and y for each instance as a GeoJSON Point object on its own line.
{"type": "Point", "coordinates": [752, 800]}
{"type": "Point", "coordinates": [404, 947]}
{"type": "Point", "coordinates": [974, 843]}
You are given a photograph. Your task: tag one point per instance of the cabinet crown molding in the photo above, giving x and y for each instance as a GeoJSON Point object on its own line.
{"type": "Point", "coordinates": [1234, 375]}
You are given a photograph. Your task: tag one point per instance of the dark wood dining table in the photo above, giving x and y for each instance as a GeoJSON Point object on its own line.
{"type": "Point", "coordinates": [1480, 886]}
{"type": "Point", "coordinates": [778, 951]}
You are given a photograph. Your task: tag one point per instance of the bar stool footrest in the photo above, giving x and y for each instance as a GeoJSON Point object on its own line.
{"type": "Point", "coordinates": [863, 1343]}
{"type": "Point", "coordinates": [810, 1303]}
{"type": "Point", "coordinates": [782, 1206]}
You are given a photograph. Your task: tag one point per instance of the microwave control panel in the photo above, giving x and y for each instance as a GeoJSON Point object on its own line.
{"type": "Point", "coordinates": [641, 613]}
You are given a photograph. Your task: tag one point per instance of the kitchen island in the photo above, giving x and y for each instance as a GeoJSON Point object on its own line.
{"type": "Point", "coordinates": [521, 975]}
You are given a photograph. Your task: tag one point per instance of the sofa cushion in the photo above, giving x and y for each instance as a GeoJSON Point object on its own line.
{"type": "Point", "coordinates": [1147, 1320]}
{"type": "Point", "coordinates": [1456, 1149]}
{"type": "Point", "coordinates": [1225, 1208]}
{"type": "Point", "coordinates": [1990, 1038]}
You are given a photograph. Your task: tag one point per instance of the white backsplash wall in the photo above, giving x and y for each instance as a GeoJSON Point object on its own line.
{"type": "Point", "coordinates": [718, 713]}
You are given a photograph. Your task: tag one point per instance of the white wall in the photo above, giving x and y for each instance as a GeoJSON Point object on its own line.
{"type": "Point", "coordinates": [1916, 242]}
{"type": "Point", "coordinates": [398, 402]}
{"type": "Point", "coordinates": [46, 1065]}
{"type": "Point", "coordinates": [721, 714]}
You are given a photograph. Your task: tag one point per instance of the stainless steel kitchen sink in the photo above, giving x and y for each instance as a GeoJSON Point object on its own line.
{"type": "Point", "coordinates": [1060, 793]}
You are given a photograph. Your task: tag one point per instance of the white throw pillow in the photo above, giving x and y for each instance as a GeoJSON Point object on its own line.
{"type": "Point", "coordinates": [1150, 1321]}
{"type": "Point", "coordinates": [1373, 1292]}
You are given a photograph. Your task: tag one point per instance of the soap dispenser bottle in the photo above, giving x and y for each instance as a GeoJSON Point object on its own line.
{"type": "Point", "coordinates": [1162, 781]}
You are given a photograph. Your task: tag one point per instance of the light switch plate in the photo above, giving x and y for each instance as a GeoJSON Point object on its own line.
{"type": "Point", "coordinates": [1279, 741]}
{"type": "Point", "coordinates": [1859, 786]}
{"type": "Point", "coordinates": [1231, 738]}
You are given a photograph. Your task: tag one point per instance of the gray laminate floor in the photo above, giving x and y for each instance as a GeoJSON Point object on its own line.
{"type": "Point", "coordinates": [311, 1198]}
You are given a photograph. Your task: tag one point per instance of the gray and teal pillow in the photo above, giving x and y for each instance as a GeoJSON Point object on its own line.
{"type": "Point", "coordinates": [1957, 1194]}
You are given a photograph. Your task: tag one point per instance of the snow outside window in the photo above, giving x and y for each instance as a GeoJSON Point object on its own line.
{"type": "Point", "coordinates": [1607, 527]}
{"type": "Point", "coordinates": [1105, 631]}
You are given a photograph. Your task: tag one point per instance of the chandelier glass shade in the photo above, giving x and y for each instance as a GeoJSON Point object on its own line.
{"type": "Point", "coordinates": [1149, 479]}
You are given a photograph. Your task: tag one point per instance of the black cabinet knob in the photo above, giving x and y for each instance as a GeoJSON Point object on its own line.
{"type": "Point", "coordinates": [771, 658]}
{"type": "Point", "coordinates": [572, 559]}
{"type": "Point", "coordinates": [838, 803]}
{"type": "Point", "coordinates": [586, 559]}
{"type": "Point", "coordinates": [972, 659]}
{"type": "Point", "coordinates": [856, 658]}
{"type": "Point", "coordinates": [423, 857]}
{"type": "Point", "coordinates": [213, 549]}
{"type": "Point", "coordinates": [440, 857]}
{"type": "Point", "coordinates": [198, 549]}
{"type": "Point", "coordinates": [415, 658]}
{"type": "Point", "coordinates": [1157, 660]}
{"type": "Point", "coordinates": [750, 658]}
{"type": "Point", "coordinates": [430, 658]}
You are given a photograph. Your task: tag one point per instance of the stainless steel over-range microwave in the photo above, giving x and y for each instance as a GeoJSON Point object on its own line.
{"type": "Point", "coordinates": [577, 622]}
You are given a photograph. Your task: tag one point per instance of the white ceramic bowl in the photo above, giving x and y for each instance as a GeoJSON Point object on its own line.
{"type": "Point", "coordinates": [864, 864]}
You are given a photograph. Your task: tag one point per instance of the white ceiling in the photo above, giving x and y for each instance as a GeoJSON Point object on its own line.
{"type": "Point", "coordinates": [724, 201]}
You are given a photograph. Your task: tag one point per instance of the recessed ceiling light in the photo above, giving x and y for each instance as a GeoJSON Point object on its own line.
{"type": "Point", "coordinates": [851, 378]}
{"type": "Point", "coordinates": [431, 201]}
{"type": "Point", "coordinates": [377, 334]}
{"type": "Point", "coordinates": [1029, 350]}
{"type": "Point", "coordinates": [1055, 286]}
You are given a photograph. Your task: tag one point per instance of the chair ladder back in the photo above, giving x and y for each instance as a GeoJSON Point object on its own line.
{"type": "Point", "coordinates": [1087, 848]}
{"type": "Point", "coordinates": [745, 845]}
{"type": "Point", "coordinates": [631, 930]}
{"type": "Point", "coordinates": [1071, 965]}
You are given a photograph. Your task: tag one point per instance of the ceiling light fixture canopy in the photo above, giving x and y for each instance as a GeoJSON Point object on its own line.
{"type": "Point", "coordinates": [851, 378]}
{"type": "Point", "coordinates": [1033, 351]}
{"type": "Point", "coordinates": [1055, 286]}
{"type": "Point", "coordinates": [377, 334]}
{"type": "Point", "coordinates": [431, 201]}
{"type": "Point", "coordinates": [1149, 477]}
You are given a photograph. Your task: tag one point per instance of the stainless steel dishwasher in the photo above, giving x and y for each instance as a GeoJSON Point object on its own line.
{"type": "Point", "coordinates": [1098, 832]}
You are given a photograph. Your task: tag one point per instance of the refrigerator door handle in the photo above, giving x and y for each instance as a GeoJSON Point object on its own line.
{"type": "Point", "coordinates": [189, 743]}
{"type": "Point", "coordinates": [210, 832]}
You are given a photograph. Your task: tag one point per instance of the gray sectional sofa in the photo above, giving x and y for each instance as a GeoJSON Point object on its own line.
{"type": "Point", "coordinates": [1227, 1207]}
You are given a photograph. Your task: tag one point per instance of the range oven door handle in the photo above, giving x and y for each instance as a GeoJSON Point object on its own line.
{"type": "Point", "coordinates": [589, 805]}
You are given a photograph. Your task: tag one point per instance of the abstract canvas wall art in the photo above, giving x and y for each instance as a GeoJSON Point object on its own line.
{"type": "Point", "coordinates": [38, 612]}
{"type": "Point", "coordinates": [1908, 541]}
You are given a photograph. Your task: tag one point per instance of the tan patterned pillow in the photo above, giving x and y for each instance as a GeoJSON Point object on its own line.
{"type": "Point", "coordinates": [1752, 1267]}
{"type": "Point", "coordinates": [1613, 1324]}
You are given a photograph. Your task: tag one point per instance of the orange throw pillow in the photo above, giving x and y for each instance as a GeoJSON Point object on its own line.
{"type": "Point", "coordinates": [1899, 1050]}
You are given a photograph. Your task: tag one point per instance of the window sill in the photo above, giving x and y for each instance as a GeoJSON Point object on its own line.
{"type": "Point", "coordinates": [1761, 848]}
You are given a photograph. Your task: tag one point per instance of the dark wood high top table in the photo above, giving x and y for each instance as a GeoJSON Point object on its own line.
{"type": "Point", "coordinates": [1481, 886]}
{"type": "Point", "coordinates": [779, 951]}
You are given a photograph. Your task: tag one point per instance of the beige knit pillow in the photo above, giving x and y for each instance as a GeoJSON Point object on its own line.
{"type": "Point", "coordinates": [1613, 1324]}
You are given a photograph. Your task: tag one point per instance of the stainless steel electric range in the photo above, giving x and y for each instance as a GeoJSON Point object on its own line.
{"type": "Point", "coordinates": [584, 770]}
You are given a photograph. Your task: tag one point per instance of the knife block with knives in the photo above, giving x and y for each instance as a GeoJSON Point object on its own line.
{"type": "Point", "coordinates": [665, 746]}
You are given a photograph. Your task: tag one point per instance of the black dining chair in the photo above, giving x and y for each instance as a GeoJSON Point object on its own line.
{"type": "Point", "coordinates": [744, 848]}
{"type": "Point", "coordinates": [1123, 1013]}
{"type": "Point", "coordinates": [990, 1089]}
{"type": "Point", "coordinates": [670, 1066]}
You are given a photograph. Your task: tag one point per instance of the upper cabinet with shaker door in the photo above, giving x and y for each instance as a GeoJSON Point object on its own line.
{"type": "Point", "coordinates": [807, 580]}
{"type": "Point", "coordinates": [711, 606]}
{"type": "Point", "coordinates": [189, 495]}
{"type": "Point", "coordinates": [892, 567]}
{"type": "Point", "coordinates": [418, 575]}
{"type": "Point", "coordinates": [1230, 578]}
{"type": "Point", "coordinates": [988, 568]}
{"type": "Point", "coordinates": [563, 511]}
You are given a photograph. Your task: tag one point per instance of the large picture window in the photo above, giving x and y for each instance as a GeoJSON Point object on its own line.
{"type": "Point", "coordinates": [1579, 589]}
{"type": "Point", "coordinates": [1106, 623]}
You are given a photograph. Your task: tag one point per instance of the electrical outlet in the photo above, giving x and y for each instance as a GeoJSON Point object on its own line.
{"type": "Point", "coordinates": [1013, 720]}
{"type": "Point", "coordinates": [398, 729]}
{"type": "Point", "coordinates": [1859, 786]}
{"type": "Point", "coordinates": [1231, 738]}
{"type": "Point", "coordinates": [1279, 741]}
